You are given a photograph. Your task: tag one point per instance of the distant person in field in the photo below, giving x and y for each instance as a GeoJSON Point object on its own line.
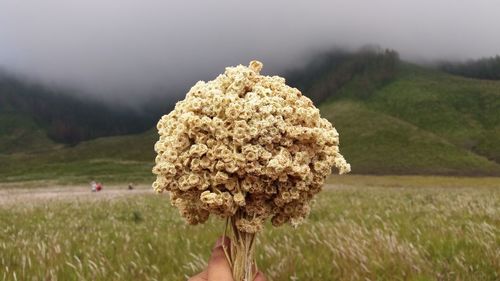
{"type": "Point", "coordinates": [98, 186]}
{"type": "Point", "coordinates": [93, 186]}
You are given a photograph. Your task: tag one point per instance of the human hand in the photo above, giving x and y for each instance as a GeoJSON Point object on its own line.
{"type": "Point", "coordinates": [218, 268]}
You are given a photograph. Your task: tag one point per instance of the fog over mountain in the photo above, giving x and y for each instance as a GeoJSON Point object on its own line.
{"type": "Point", "coordinates": [131, 49]}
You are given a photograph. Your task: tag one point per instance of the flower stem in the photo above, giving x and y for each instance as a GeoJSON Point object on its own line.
{"type": "Point", "coordinates": [242, 252]}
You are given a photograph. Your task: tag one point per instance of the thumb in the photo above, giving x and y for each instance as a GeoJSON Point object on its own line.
{"type": "Point", "coordinates": [218, 266]}
{"type": "Point", "coordinates": [260, 277]}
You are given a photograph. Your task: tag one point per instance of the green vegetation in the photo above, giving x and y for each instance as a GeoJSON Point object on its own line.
{"type": "Point", "coordinates": [393, 118]}
{"type": "Point", "coordinates": [19, 133]}
{"type": "Point", "coordinates": [464, 111]}
{"type": "Point", "coordinates": [375, 142]}
{"type": "Point", "coordinates": [329, 73]}
{"type": "Point", "coordinates": [437, 231]}
{"type": "Point", "coordinates": [423, 121]}
{"type": "Point", "coordinates": [111, 159]}
{"type": "Point", "coordinates": [63, 115]}
{"type": "Point", "coordinates": [485, 68]}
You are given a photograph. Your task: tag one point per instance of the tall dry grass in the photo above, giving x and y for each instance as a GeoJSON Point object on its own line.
{"type": "Point", "coordinates": [353, 233]}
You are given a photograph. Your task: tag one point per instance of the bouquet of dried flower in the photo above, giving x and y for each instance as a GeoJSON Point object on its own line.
{"type": "Point", "coordinates": [247, 148]}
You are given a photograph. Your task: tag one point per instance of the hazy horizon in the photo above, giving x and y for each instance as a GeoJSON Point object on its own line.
{"type": "Point", "coordinates": [132, 49]}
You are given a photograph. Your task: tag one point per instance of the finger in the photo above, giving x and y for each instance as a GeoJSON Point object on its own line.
{"type": "Point", "coordinates": [260, 277]}
{"type": "Point", "coordinates": [218, 266]}
{"type": "Point", "coordinates": [202, 276]}
{"type": "Point", "coordinates": [225, 243]}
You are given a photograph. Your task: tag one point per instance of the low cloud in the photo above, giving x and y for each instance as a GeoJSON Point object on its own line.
{"type": "Point", "coordinates": [131, 50]}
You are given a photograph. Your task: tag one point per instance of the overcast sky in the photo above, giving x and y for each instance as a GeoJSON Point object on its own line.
{"type": "Point", "coordinates": [135, 48]}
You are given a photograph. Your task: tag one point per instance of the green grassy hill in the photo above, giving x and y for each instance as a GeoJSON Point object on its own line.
{"type": "Point", "coordinates": [62, 114]}
{"type": "Point", "coordinates": [41, 133]}
{"type": "Point", "coordinates": [423, 121]}
{"type": "Point", "coordinates": [109, 159]}
{"type": "Point", "coordinates": [19, 133]}
{"type": "Point", "coordinates": [464, 111]}
{"type": "Point", "coordinates": [377, 143]}
{"type": "Point", "coordinates": [411, 120]}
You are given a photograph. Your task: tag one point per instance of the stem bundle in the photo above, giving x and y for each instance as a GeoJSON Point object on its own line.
{"type": "Point", "coordinates": [241, 256]}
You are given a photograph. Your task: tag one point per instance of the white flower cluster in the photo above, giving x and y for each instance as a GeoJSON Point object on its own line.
{"type": "Point", "coordinates": [248, 143]}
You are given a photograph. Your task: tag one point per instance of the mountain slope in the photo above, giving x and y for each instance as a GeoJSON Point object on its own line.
{"type": "Point", "coordinates": [19, 133]}
{"type": "Point", "coordinates": [466, 112]}
{"type": "Point", "coordinates": [327, 74]}
{"type": "Point", "coordinates": [116, 159]}
{"type": "Point", "coordinates": [377, 143]}
{"type": "Point", "coordinates": [459, 117]}
{"type": "Point", "coordinates": [409, 120]}
{"type": "Point", "coordinates": [61, 114]}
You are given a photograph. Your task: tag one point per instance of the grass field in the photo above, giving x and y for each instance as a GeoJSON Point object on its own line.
{"type": "Point", "coordinates": [361, 228]}
{"type": "Point", "coordinates": [109, 159]}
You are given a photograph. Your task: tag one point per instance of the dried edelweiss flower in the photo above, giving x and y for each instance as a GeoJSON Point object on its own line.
{"type": "Point", "coordinates": [245, 146]}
